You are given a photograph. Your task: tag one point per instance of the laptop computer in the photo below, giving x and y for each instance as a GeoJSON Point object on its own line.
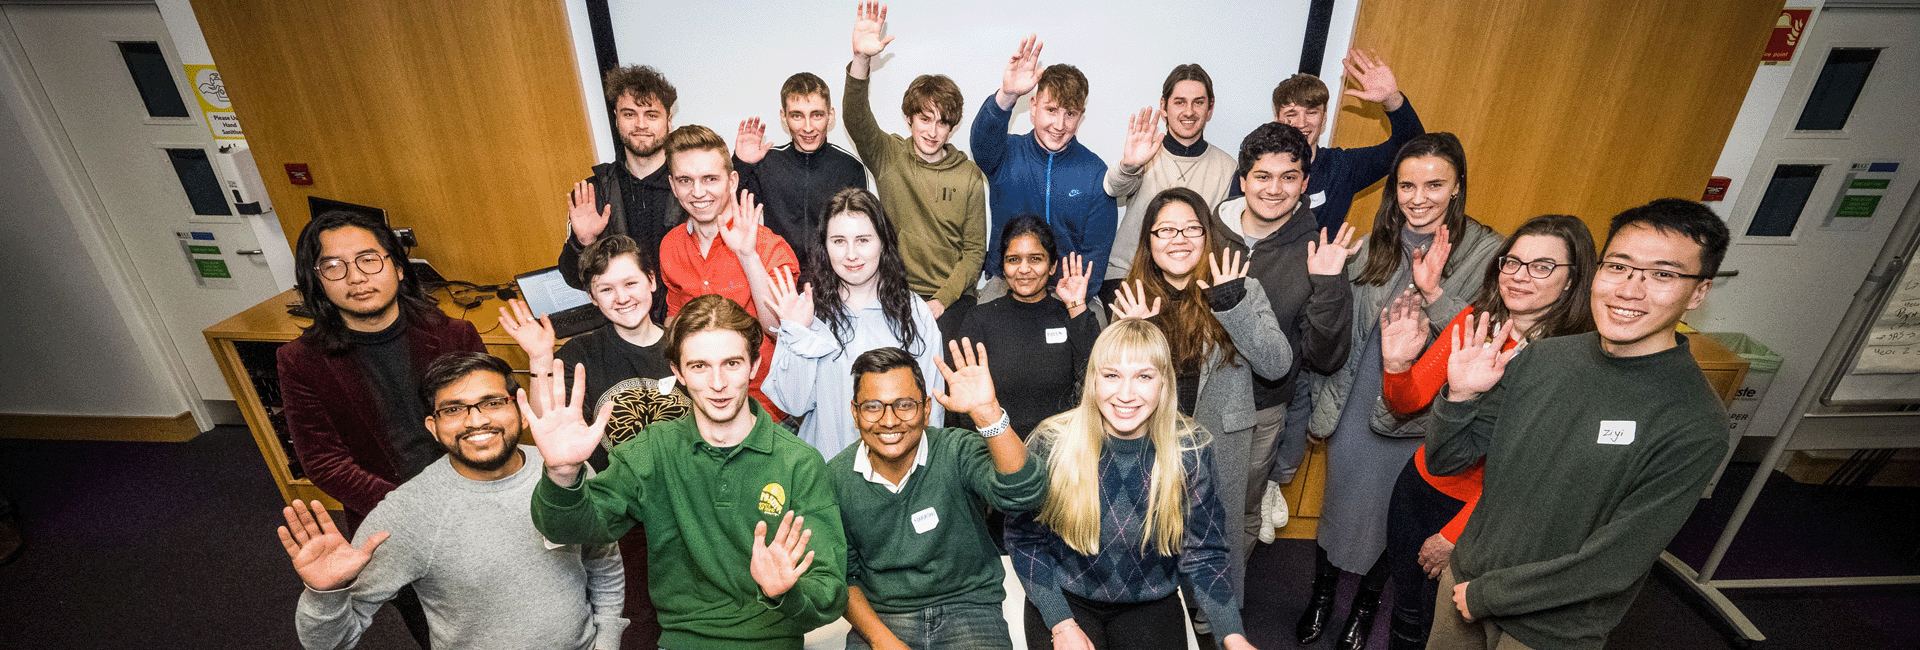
{"type": "Point", "coordinates": [547, 293]}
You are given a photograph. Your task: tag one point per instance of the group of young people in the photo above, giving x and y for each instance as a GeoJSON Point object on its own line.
{"type": "Point", "coordinates": [988, 353]}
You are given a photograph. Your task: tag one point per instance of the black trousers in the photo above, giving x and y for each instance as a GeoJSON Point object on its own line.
{"type": "Point", "coordinates": [1152, 625]}
{"type": "Point", "coordinates": [1416, 513]}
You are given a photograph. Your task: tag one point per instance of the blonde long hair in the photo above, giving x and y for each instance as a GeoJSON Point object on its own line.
{"type": "Point", "coordinates": [1072, 508]}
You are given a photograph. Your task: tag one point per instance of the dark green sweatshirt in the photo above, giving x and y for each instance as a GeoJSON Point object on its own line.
{"type": "Point", "coordinates": [928, 544]}
{"type": "Point", "coordinates": [1593, 463]}
{"type": "Point", "coordinates": [699, 504]}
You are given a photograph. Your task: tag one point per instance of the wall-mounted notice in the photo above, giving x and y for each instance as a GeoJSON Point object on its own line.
{"type": "Point", "coordinates": [1860, 193]}
{"type": "Point", "coordinates": [203, 253]}
{"type": "Point", "coordinates": [214, 103]}
{"type": "Point", "coordinates": [1893, 343]}
{"type": "Point", "coordinates": [1786, 37]}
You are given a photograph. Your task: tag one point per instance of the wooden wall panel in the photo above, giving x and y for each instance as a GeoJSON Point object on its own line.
{"type": "Point", "coordinates": [462, 119]}
{"type": "Point", "coordinates": [1581, 107]}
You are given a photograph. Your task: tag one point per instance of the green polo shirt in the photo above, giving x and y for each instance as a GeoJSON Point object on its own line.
{"type": "Point", "coordinates": [699, 504]}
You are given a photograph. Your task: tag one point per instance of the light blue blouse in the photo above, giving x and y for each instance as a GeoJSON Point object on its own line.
{"type": "Point", "coordinates": [812, 374]}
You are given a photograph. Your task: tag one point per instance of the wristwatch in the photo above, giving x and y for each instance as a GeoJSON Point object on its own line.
{"type": "Point", "coordinates": [997, 428]}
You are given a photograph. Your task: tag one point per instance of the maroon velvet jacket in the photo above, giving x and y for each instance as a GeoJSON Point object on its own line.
{"type": "Point", "coordinates": [337, 429]}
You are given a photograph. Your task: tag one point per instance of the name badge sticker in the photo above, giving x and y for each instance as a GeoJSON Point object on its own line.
{"type": "Point", "coordinates": [1616, 432]}
{"type": "Point", "coordinates": [925, 520]}
{"type": "Point", "coordinates": [1056, 335]}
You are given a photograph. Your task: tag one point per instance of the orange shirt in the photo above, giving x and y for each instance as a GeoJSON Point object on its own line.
{"type": "Point", "coordinates": [1413, 390]}
{"type": "Point", "coordinates": [689, 273]}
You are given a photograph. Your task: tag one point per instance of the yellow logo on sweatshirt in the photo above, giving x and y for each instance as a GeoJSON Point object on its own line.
{"type": "Point", "coordinates": [773, 499]}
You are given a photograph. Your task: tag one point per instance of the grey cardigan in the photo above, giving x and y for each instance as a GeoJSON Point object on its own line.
{"type": "Point", "coordinates": [1460, 279]}
{"type": "Point", "coordinates": [1225, 407]}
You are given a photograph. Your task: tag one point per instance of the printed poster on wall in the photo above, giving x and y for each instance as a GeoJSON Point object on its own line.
{"type": "Point", "coordinates": [213, 102]}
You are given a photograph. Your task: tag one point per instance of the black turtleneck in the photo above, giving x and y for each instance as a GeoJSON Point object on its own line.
{"type": "Point", "coordinates": [1174, 147]}
{"type": "Point", "coordinates": [387, 358]}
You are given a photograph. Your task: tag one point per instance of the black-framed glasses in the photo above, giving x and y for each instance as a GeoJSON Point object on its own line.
{"type": "Point", "coordinates": [336, 269]}
{"type": "Point", "coordinates": [904, 408]}
{"type": "Point", "coordinates": [1194, 231]}
{"type": "Point", "coordinates": [1616, 273]}
{"type": "Point", "coordinates": [1538, 268]}
{"type": "Point", "coordinates": [488, 406]}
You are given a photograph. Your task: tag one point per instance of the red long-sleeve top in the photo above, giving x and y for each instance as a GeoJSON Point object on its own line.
{"type": "Point", "coordinates": [1413, 390]}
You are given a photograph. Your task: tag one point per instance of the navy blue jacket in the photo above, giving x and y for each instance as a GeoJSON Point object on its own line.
{"type": "Point", "coordinates": [1064, 188]}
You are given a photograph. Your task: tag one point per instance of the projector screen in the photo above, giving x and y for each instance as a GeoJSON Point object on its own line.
{"type": "Point", "coordinates": [727, 58]}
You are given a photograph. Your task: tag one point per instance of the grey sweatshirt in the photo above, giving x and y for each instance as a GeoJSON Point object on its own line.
{"type": "Point", "coordinates": [486, 578]}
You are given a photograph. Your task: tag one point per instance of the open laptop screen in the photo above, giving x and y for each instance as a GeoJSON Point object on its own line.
{"type": "Point", "coordinates": [546, 292]}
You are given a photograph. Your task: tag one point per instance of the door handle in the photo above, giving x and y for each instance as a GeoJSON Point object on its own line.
{"type": "Point", "coordinates": [251, 252]}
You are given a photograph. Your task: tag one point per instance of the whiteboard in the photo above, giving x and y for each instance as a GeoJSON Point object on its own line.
{"type": "Point", "coordinates": [1886, 363]}
{"type": "Point", "coordinates": [727, 58]}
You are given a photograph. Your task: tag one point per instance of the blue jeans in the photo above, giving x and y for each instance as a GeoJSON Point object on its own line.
{"type": "Point", "coordinates": [960, 625]}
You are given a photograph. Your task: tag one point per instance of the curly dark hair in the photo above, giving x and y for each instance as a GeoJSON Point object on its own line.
{"type": "Point", "coordinates": [642, 82]}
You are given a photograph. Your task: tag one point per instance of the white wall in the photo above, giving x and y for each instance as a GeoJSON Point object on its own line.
{"type": "Point", "coordinates": [728, 60]}
{"type": "Point", "coordinates": [1756, 116]}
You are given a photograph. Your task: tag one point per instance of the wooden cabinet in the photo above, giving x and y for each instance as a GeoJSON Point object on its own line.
{"type": "Point", "coordinates": [1724, 369]}
{"type": "Point", "coordinates": [244, 346]}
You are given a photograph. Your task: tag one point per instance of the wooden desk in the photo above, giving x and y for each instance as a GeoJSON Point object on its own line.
{"type": "Point", "coordinates": [244, 346]}
{"type": "Point", "coordinates": [1724, 369]}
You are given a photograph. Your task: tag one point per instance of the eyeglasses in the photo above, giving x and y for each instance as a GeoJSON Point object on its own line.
{"type": "Point", "coordinates": [1537, 268]}
{"type": "Point", "coordinates": [336, 269]}
{"type": "Point", "coordinates": [488, 406]}
{"type": "Point", "coordinates": [1194, 231]}
{"type": "Point", "coordinates": [903, 408]}
{"type": "Point", "coordinates": [1616, 273]}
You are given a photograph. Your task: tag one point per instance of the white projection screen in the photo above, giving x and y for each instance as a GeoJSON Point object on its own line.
{"type": "Point", "coordinates": [727, 58]}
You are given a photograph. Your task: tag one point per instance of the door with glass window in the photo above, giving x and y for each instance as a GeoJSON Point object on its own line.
{"type": "Point", "coordinates": [1832, 178]}
{"type": "Point", "coordinates": [120, 96]}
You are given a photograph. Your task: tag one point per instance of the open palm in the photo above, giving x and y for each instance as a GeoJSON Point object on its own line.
{"type": "Point", "coordinates": [322, 556]}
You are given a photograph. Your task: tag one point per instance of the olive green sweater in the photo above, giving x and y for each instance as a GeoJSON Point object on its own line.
{"type": "Point", "coordinates": [939, 208]}
{"type": "Point", "coordinates": [1593, 464]}
{"type": "Point", "coordinates": [700, 504]}
{"type": "Point", "coordinates": [928, 544]}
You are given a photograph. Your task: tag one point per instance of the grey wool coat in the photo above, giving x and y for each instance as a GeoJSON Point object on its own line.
{"type": "Point", "coordinates": [1225, 408]}
{"type": "Point", "coordinates": [1361, 470]}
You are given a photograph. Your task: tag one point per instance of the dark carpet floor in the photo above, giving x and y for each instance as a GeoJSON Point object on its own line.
{"type": "Point", "coordinates": [171, 545]}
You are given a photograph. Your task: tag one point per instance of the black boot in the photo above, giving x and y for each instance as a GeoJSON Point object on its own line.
{"type": "Point", "coordinates": [1405, 634]}
{"type": "Point", "coordinates": [1359, 621]}
{"type": "Point", "coordinates": [1313, 622]}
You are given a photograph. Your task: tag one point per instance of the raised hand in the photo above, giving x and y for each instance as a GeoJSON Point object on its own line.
{"type": "Point", "coordinates": [740, 226]}
{"type": "Point", "coordinates": [564, 438]}
{"type": "Point", "coordinates": [1375, 78]}
{"type": "Point", "coordinates": [1477, 362]}
{"type": "Point", "coordinates": [1143, 140]}
{"type": "Point", "coordinates": [1429, 264]}
{"type": "Point", "coordinates": [791, 304]}
{"type": "Point", "coordinates": [777, 566]}
{"type": "Point", "coordinates": [1072, 287]}
{"type": "Point", "coordinates": [1403, 333]}
{"type": "Point", "coordinates": [1131, 302]}
{"type": "Point", "coordinates": [586, 224]}
{"type": "Point", "coordinates": [1234, 268]}
{"type": "Point", "coordinates": [1329, 257]}
{"type": "Point", "coordinates": [1435, 554]}
{"type": "Point", "coordinates": [870, 21]}
{"type": "Point", "coordinates": [969, 384]}
{"type": "Point", "coordinates": [750, 142]}
{"type": "Point", "coordinates": [322, 556]}
{"type": "Point", "coordinates": [535, 335]}
{"type": "Point", "coordinates": [1022, 73]}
